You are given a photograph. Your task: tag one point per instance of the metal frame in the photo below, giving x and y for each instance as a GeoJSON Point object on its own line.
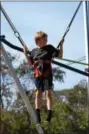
{"type": "Point", "coordinates": [23, 95]}
{"type": "Point", "coordinates": [22, 92]}
{"type": "Point", "coordinates": [86, 31]}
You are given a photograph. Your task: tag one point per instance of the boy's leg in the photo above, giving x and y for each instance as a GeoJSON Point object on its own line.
{"type": "Point", "coordinates": [38, 97]}
{"type": "Point", "coordinates": [49, 104]}
{"type": "Point", "coordinates": [49, 99]}
{"type": "Point", "coordinates": [48, 87]}
{"type": "Point", "coordinates": [38, 103]}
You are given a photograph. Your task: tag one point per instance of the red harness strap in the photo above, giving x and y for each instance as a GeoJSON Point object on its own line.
{"type": "Point", "coordinates": [45, 73]}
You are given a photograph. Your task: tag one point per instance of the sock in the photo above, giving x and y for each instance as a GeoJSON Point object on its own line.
{"type": "Point", "coordinates": [49, 115]}
{"type": "Point", "coordinates": [38, 115]}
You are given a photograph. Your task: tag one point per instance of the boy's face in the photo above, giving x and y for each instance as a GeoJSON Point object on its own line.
{"type": "Point", "coordinates": [42, 42]}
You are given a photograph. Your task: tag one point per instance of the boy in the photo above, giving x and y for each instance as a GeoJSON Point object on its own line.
{"type": "Point", "coordinates": [41, 58]}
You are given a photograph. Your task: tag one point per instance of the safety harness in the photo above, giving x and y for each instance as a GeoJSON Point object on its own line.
{"type": "Point", "coordinates": [39, 68]}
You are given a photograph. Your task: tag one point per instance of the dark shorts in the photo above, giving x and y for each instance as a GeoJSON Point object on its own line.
{"type": "Point", "coordinates": [44, 83]}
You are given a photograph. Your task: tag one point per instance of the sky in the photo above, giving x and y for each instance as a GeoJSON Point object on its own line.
{"type": "Point", "coordinates": [52, 18]}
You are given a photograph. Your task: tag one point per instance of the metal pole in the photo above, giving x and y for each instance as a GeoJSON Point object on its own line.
{"type": "Point", "coordinates": [22, 92]}
{"type": "Point", "coordinates": [86, 31]}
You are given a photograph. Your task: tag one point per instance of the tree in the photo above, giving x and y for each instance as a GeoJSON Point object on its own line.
{"type": "Point", "coordinates": [6, 82]}
{"type": "Point", "coordinates": [76, 104]}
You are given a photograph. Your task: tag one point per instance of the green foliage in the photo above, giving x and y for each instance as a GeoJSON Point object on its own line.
{"type": "Point", "coordinates": [70, 111]}
{"type": "Point", "coordinates": [69, 115]}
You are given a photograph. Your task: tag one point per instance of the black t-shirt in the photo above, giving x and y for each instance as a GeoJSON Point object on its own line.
{"type": "Point", "coordinates": [46, 53]}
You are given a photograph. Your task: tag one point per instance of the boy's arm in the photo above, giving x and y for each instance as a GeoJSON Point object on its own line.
{"type": "Point", "coordinates": [61, 49]}
{"type": "Point", "coordinates": [27, 57]}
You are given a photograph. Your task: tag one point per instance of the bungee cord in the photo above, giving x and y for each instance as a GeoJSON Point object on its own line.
{"type": "Point", "coordinates": [68, 28]}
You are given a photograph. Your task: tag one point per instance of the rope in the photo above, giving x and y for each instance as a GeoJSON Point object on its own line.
{"type": "Point", "coordinates": [73, 61]}
{"type": "Point", "coordinates": [82, 58]}
{"type": "Point", "coordinates": [77, 60]}
{"type": "Point", "coordinates": [68, 28]}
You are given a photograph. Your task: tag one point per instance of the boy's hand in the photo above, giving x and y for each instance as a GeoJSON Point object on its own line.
{"type": "Point", "coordinates": [62, 41]}
{"type": "Point", "coordinates": [25, 49]}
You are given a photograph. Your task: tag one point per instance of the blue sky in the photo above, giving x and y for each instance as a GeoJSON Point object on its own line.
{"type": "Point", "coordinates": [53, 18]}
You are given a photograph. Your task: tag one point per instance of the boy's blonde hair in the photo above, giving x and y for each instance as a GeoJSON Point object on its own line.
{"type": "Point", "coordinates": [40, 35]}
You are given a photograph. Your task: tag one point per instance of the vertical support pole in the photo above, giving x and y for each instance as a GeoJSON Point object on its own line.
{"type": "Point", "coordinates": [22, 92]}
{"type": "Point", "coordinates": [86, 31]}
